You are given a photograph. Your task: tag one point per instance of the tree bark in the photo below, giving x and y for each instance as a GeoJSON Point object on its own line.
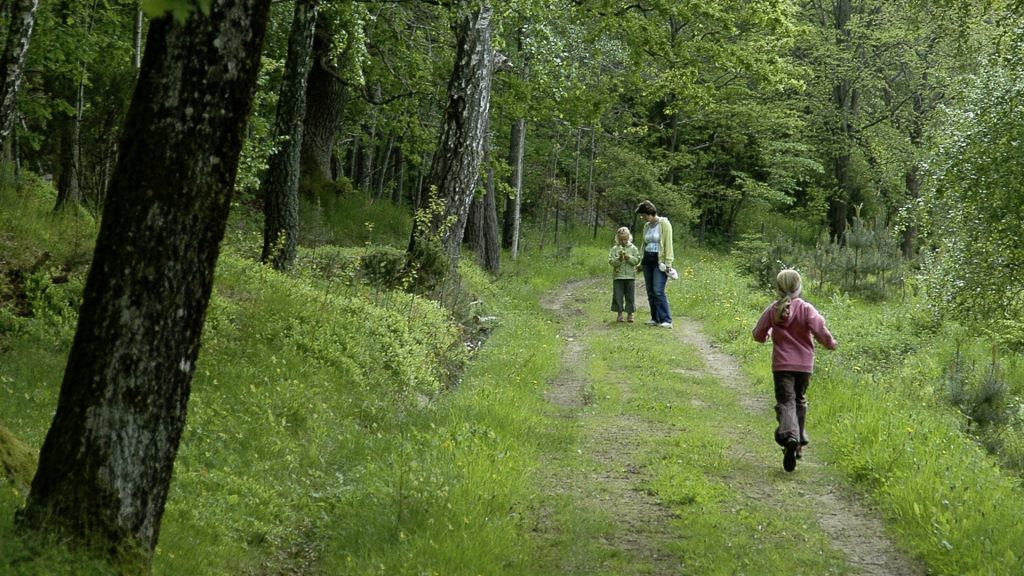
{"type": "Point", "coordinates": [399, 170]}
{"type": "Point", "coordinates": [491, 244]}
{"type": "Point", "coordinates": [12, 66]}
{"type": "Point", "coordinates": [281, 185]}
{"type": "Point", "coordinates": [474, 234]}
{"type": "Point", "coordinates": [913, 178]}
{"type": "Point", "coordinates": [106, 463]}
{"type": "Point", "coordinates": [456, 165]}
{"type": "Point", "coordinates": [844, 96]}
{"type": "Point", "coordinates": [387, 172]}
{"type": "Point", "coordinates": [69, 193]}
{"type": "Point", "coordinates": [137, 39]}
{"type": "Point", "coordinates": [325, 103]}
{"type": "Point", "coordinates": [513, 205]}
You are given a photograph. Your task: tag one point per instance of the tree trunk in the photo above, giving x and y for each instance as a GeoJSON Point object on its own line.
{"type": "Point", "coordinates": [591, 201]}
{"type": "Point", "coordinates": [576, 175]}
{"type": "Point", "coordinates": [386, 167]}
{"type": "Point", "coordinates": [105, 466]}
{"type": "Point", "coordinates": [913, 177]}
{"type": "Point", "coordinates": [137, 40]}
{"type": "Point", "coordinates": [456, 165]}
{"type": "Point", "coordinates": [844, 96]}
{"type": "Point", "coordinates": [474, 234]}
{"type": "Point", "coordinates": [69, 193]}
{"type": "Point", "coordinates": [396, 192]}
{"type": "Point", "coordinates": [513, 205]}
{"type": "Point", "coordinates": [281, 185]}
{"type": "Point", "coordinates": [19, 32]}
{"type": "Point", "coordinates": [365, 170]}
{"type": "Point", "coordinates": [491, 244]}
{"type": "Point", "coordinates": [325, 103]}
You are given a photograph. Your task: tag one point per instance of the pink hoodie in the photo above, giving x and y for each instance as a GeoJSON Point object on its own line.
{"type": "Point", "coordinates": [793, 337]}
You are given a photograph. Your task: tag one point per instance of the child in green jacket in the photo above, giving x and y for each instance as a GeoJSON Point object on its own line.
{"type": "Point", "coordinates": [623, 257]}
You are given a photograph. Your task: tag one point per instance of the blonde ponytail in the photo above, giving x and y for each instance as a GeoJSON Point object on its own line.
{"type": "Point", "coordinates": [787, 284]}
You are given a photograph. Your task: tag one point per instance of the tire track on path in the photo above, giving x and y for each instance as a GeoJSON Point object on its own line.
{"type": "Point", "coordinates": [642, 524]}
{"type": "Point", "coordinates": [854, 529]}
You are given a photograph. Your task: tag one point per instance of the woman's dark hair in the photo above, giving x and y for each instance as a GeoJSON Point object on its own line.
{"type": "Point", "coordinates": [646, 207]}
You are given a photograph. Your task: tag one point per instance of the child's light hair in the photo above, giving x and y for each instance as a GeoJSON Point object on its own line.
{"type": "Point", "coordinates": [621, 231]}
{"type": "Point", "coordinates": [787, 284]}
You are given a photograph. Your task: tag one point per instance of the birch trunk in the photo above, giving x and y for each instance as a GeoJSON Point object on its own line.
{"type": "Point", "coordinates": [456, 166]}
{"type": "Point", "coordinates": [12, 66]}
{"type": "Point", "coordinates": [513, 205]}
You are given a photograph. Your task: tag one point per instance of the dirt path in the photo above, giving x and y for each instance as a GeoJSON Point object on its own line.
{"type": "Point", "coordinates": [642, 528]}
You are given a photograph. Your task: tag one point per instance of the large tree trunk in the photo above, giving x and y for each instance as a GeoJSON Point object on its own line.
{"type": "Point", "coordinates": [456, 165]}
{"type": "Point", "coordinates": [325, 102]}
{"type": "Point", "coordinates": [105, 466]}
{"type": "Point", "coordinates": [281, 185]}
{"type": "Point", "coordinates": [19, 32]}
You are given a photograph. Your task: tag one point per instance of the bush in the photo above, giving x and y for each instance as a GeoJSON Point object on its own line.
{"type": "Point", "coordinates": [762, 260]}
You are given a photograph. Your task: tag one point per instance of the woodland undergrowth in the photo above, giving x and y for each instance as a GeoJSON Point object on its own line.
{"type": "Point", "coordinates": [336, 423]}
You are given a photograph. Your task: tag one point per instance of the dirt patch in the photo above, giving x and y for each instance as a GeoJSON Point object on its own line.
{"type": "Point", "coordinates": [641, 523]}
{"type": "Point", "coordinates": [569, 389]}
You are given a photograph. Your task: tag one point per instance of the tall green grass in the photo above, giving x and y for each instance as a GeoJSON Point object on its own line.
{"type": "Point", "coordinates": [334, 427]}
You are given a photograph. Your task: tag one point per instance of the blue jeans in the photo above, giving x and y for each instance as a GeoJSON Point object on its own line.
{"type": "Point", "coordinates": [655, 281]}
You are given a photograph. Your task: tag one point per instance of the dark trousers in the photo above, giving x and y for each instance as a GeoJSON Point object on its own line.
{"type": "Point", "coordinates": [623, 295]}
{"type": "Point", "coordinates": [655, 280]}
{"type": "Point", "coordinates": [791, 405]}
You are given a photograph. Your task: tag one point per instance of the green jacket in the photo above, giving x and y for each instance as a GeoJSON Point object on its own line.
{"type": "Point", "coordinates": [624, 268]}
{"type": "Point", "coordinates": [665, 254]}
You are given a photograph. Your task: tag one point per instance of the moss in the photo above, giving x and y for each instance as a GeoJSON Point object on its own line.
{"type": "Point", "coordinates": [17, 460]}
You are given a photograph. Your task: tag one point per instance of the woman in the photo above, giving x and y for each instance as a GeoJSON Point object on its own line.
{"type": "Point", "coordinates": [656, 262]}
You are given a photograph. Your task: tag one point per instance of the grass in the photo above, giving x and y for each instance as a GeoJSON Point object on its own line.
{"type": "Point", "coordinates": [879, 401]}
{"type": "Point", "coordinates": [337, 428]}
{"type": "Point", "coordinates": [686, 450]}
{"type": "Point", "coordinates": [332, 428]}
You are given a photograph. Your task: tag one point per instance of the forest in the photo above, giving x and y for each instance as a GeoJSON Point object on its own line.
{"type": "Point", "coordinates": [320, 287]}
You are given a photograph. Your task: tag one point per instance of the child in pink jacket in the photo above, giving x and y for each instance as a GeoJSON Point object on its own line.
{"type": "Point", "coordinates": [793, 325]}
